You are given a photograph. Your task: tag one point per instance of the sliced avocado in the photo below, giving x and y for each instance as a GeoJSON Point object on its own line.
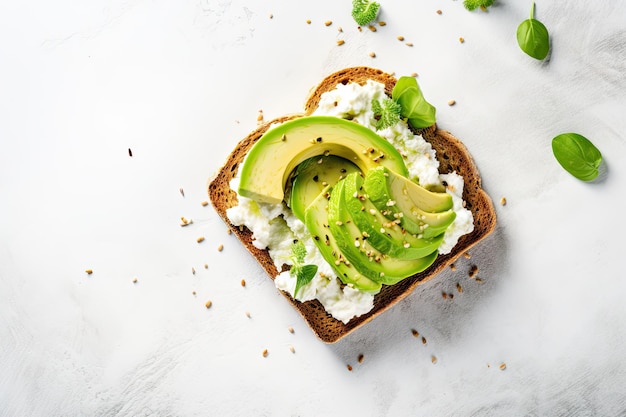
{"type": "Point", "coordinates": [316, 221]}
{"type": "Point", "coordinates": [383, 234]}
{"type": "Point", "coordinates": [274, 156]}
{"type": "Point", "coordinates": [420, 211]}
{"type": "Point", "coordinates": [312, 176]}
{"type": "Point", "coordinates": [366, 259]}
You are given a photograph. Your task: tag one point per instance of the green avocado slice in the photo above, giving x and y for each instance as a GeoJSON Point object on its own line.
{"type": "Point", "coordinates": [366, 259]}
{"type": "Point", "coordinates": [316, 221]}
{"type": "Point", "coordinates": [272, 159]}
{"type": "Point", "coordinates": [312, 176]}
{"type": "Point", "coordinates": [383, 234]}
{"type": "Point", "coordinates": [420, 211]}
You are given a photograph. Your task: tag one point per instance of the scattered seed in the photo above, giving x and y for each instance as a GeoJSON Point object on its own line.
{"type": "Point", "coordinates": [220, 248]}
{"type": "Point", "coordinates": [308, 21]}
{"type": "Point", "coordinates": [185, 222]}
{"type": "Point", "coordinates": [340, 42]}
{"type": "Point", "coordinates": [290, 329]}
{"type": "Point", "coordinates": [271, 16]}
{"type": "Point", "coordinates": [134, 280]}
{"type": "Point", "coordinates": [423, 340]}
{"type": "Point", "coordinates": [248, 314]}
{"type": "Point", "coordinates": [473, 271]}
{"type": "Point", "coordinates": [292, 349]}
{"type": "Point", "coordinates": [439, 12]}
{"type": "Point", "coordinates": [409, 44]}
{"type": "Point", "coordinates": [349, 367]}
{"type": "Point", "coordinates": [372, 54]}
{"type": "Point", "coordinates": [450, 296]}
{"type": "Point", "coordinates": [458, 287]}
{"type": "Point", "coordinates": [467, 255]}
{"type": "Point", "coordinates": [451, 102]}
{"type": "Point", "coordinates": [208, 304]}
{"type": "Point", "coordinates": [193, 270]}
{"type": "Point", "coordinates": [204, 203]}
{"type": "Point", "coordinates": [200, 239]}
{"type": "Point", "coordinates": [400, 38]}
{"type": "Point", "coordinates": [339, 29]}
{"type": "Point", "coordinates": [243, 282]}
{"type": "Point", "coordinates": [383, 23]}
{"type": "Point", "coordinates": [259, 117]}
{"type": "Point", "coordinates": [182, 192]}
{"type": "Point", "coordinates": [414, 74]}
{"type": "Point", "coordinates": [444, 295]}
{"type": "Point", "coordinates": [228, 231]}
{"type": "Point", "coordinates": [130, 153]}
{"type": "Point", "coordinates": [328, 23]}
{"type": "Point", "coordinates": [453, 267]}
{"type": "Point", "coordinates": [265, 353]}
{"type": "Point", "coordinates": [360, 358]}
{"type": "Point", "coordinates": [503, 201]}
{"type": "Point", "coordinates": [206, 266]}
{"type": "Point", "coordinates": [433, 359]}
{"type": "Point", "coordinates": [415, 333]}
{"type": "Point", "coordinates": [479, 280]}
{"type": "Point", "coordinates": [502, 366]}
{"type": "Point", "coordinates": [462, 40]}
{"type": "Point", "coordinates": [193, 293]}
{"type": "Point", "coordinates": [88, 271]}
{"type": "Point", "coordinates": [372, 28]}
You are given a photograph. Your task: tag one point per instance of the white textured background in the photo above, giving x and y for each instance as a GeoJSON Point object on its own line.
{"type": "Point", "coordinates": [180, 82]}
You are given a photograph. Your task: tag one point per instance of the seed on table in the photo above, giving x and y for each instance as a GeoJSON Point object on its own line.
{"type": "Point", "coordinates": [451, 102]}
{"type": "Point", "coordinates": [208, 304]}
{"type": "Point", "coordinates": [265, 353]}
{"type": "Point", "coordinates": [503, 201]}
{"type": "Point", "coordinates": [220, 248]}
{"type": "Point", "coordinates": [360, 358]}
{"type": "Point", "coordinates": [328, 23]}
{"type": "Point", "coordinates": [292, 349]}
{"type": "Point", "coordinates": [200, 239]}
{"type": "Point", "coordinates": [373, 54]}
{"type": "Point", "coordinates": [89, 271]}
{"type": "Point", "coordinates": [502, 366]}
{"type": "Point", "coordinates": [340, 42]}
{"type": "Point", "coordinates": [243, 282]}
{"type": "Point", "coordinates": [415, 333]}
{"type": "Point", "coordinates": [400, 38]}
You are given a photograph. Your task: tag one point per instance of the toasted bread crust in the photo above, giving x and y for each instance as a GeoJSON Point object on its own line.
{"type": "Point", "coordinates": [453, 156]}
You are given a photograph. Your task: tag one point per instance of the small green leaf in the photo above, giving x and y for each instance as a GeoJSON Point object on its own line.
{"type": "Point", "coordinates": [415, 108]}
{"type": "Point", "coordinates": [386, 113]}
{"type": "Point", "coordinates": [533, 37]}
{"type": "Point", "coordinates": [577, 155]}
{"type": "Point", "coordinates": [474, 4]}
{"type": "Point", "coordinates": [304, 275]}
{"type": "Point", "coordinates": [298, 251]}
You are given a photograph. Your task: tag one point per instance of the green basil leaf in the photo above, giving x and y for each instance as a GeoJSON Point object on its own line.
{"type": "Point", "coordinates": [415, 108]}
{"type": "Point", "coordinates": [304, 275]}
{"type": "Point", "coordinates": [577, 155]}
{"type": "Point", "coordinates": [533, 37]}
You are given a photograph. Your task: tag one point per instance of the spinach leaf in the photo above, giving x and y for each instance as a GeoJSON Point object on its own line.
{"type": "Point", "coordinates": [577, 155]}
{"type": "Point", "coordinates": [415, 108]}
{"type": "Point", "coordinates": [533, 37]}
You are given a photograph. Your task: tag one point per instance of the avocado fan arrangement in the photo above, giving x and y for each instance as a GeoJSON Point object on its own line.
{"type": "Point", "coordinates": [350, 188]}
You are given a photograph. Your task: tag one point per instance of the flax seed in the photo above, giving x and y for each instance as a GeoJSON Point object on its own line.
{"type": "Point", "coordinates": [340, 42]}
{"type": "Point", "coordinates": [200, 239]}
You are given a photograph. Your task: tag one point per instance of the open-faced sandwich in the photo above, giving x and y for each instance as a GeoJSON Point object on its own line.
{"type": "Point", "coordinates": [352, 203]}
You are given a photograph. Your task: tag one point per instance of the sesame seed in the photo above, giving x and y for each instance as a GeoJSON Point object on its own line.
{"type": "Point", "coordinates": [372, 28]}
{"type": "Point", "coordinates": [208, 304]}
{"type": "Point", "coordinates": [340, 42]}
{"type": "Point", "coordinates": [372, 54]}
{"type": "Point", "coordinates": [292, 349]}
{"type": "Point", "coordinates": [220, 248]}
{"type": "Point", "coordinates": [243, 282]}
{"type": "Point", "coordinates": [271, 16]}
{"type": "Point", "coordinates": [462, 40]}
{"type": "Point", "coordinates": [502, 366]}
{"type": "Point", "coordinates": [134, 280]}
{"type": "Point", "coordinates": [360, 358]}
{"type": "Point", "coordinates": [206, 266]}
{"type": "Point", "coordinates": [400, 38]}
{"type": "Point", "coordinates": [458, 287]}
{"type": "Point", "coordinates": [382, 23]}
{"type": "Point", "coordinates": [200, 239]}
{"type": "Point", "coordinates": [193, 271]}
{"type": "Point", "coordinates": [451, 102]}
{"type": "Point", "coordinates": [439, 12]}
{"type": "Point", "coordinates": [328, 23]}
{"type": "Point", "coordinates": [423, 340]}
{"type": "Point", "coordinates": [204, 203]}
{"type": "Point", "coordinates": [503, 201]}
{"type": "Point", "coordinates": [290, 329]}
{"type": "Point", "coordinates": [415, 333]}
{"type": "Point", "coordinates": [433, 359]}
{"type": "Point", "coordinates": [181, 191]}
{"type": "Point", "coordinates": [409, 44]}
{"type": "Point", "coordinates": [414, 74]}
{"type": "Point", "coordinates": [88, 271]}
{"type": "Point", "coordinates": [265, 353]}
{"type": "Point", "coordinates": [248, 314]}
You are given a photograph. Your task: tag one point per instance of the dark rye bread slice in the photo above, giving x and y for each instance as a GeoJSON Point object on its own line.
{"type": "Point", "coordinates": [453, 157]}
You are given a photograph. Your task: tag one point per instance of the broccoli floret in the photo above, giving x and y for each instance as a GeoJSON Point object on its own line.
{"type": "Point", "coordinates": [364, 11]}
{"type": "Point", "coordinates": [473, 4]}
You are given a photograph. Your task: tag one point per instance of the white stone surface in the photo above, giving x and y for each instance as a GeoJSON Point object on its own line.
{"type": "Point", "coordinates": [179, 83]}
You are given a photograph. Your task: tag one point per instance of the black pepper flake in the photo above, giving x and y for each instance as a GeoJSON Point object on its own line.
{"type": "Point", "coordinates": [316, 178]}
{"type": "Point", "coordinates": [130, 153]}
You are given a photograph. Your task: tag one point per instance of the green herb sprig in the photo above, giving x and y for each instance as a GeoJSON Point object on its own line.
{"type": "Point", "coordinates": [387, 112]}
{"type": "Point", "coordinates": [364, 11]}
{"type": "Point", "coordinates": [533, 37]}
{"type": "Point", "coordinates": [577, 155]}
{"type": "Point", "coordinates": [415, 108]}
{"type": "Point", "coordinates": [303, 273]}
{"type": "Point", "coordinates": [474, 4]}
